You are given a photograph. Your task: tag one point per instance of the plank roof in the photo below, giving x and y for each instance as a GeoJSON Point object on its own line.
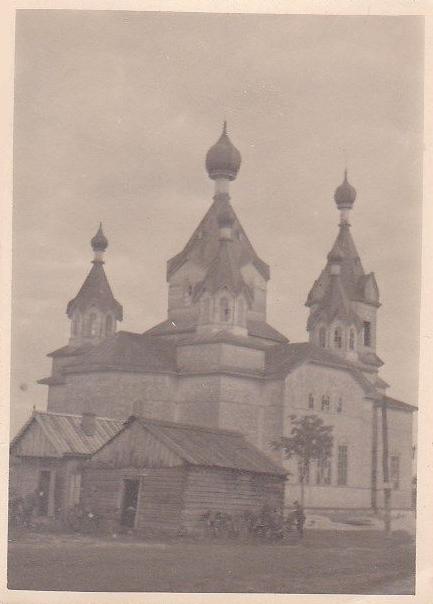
{"type": "Point", "coordinates": [66, 435]}
{"type": "Point", "coordinates": [210, 447]}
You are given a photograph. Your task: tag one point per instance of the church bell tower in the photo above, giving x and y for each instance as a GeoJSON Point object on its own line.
{"type": "Point", "coordinates": [94, 311]}
{"type": "Point", "coordinates": [344, 300]}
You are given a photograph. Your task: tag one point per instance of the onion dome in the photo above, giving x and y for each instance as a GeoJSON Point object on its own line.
{"type": "Point", "coordinates": [99, 242]}
{"type": "Point", "coordinates": [345, 194]}
{"type": "Point", "coordinates": [223, 160]}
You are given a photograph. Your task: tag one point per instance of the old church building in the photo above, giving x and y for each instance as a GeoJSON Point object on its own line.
{"type": "Point", "coordinates": [215, 363]}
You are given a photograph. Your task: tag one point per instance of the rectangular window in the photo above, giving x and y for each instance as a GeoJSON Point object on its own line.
{"type": "Point", "coordinates": [339, 406]}
{"type": "Point", "coordinates": [323, 475]}
{"type": "Point", "coordinates": [75, 486]}
{"type": "Point", "coordinates": [310, 401]}
{"type": "Point", "coordinates": [367, 333]}
{"type": "Point", "coordinates": [325, 403]}
{"type": "Point", "coordinates": [395, 472]}
{"type": "Point", "coordinates": [342, 465]}
{"type": "Point", "coordinates": [306, 473]}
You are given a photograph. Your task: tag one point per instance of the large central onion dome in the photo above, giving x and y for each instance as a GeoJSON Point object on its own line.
{"type": "Point", "coordinates": [223, 160]}
{"type": "Point", "coordinates": [345, 194]}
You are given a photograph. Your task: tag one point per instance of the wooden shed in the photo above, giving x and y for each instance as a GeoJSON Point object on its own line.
{"type": "Point", "coordinates": [165, 476]}
{"type": "Point", "coordinates": [47, 453]}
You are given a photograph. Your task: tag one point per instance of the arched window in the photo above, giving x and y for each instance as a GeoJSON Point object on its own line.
{"type": "Point", "coordinates": [108, 325]}
{"type": "Point", "coordinates": [76, 325]}
{"type": "Point", "coordinates": [205, 310]}
{"type": "Point", "coordinates": [310, 401]}
{"type": "Point", "coordinates": [241, 311]}
{"type": "Point", "coordinates": [92, 326]}
{"type": "Point", "coordinates": [352, 339]}
{"type": "Point", "coordinates": [322, 337]}
{"type": "Point", "coordinates": [367, 333]}
{"type": "Point", "coordinates": [225, 311]}
{"type": "Point", "coordinates": [338, 337]}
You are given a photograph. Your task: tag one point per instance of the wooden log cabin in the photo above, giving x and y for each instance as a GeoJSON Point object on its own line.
{"type": "Point", "coordinates": [47, 454]}
{"type": "Point", "coordinates": [164, 476]}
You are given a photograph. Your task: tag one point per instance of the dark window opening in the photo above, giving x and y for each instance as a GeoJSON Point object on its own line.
{"type": "Point", "coordinates": [43, 492]}
{"type": "Point", "coordinates": [108, 325]}
{"type": "Point", "coordinates": [322, 337]}
{"type": "Point", "coordinates": [325, 403]}
{"type": "Point", "coordinates": [129, 503]}
{"type": "Point", "coordinates": [338, 338]}
{"type": "Point", "coordinates": [310, 401]}
{"type": "Point", "coordinates": [352, 340]}
{"type": "Point", "coordinates": [367, 333]}
{"type": "Point", "coordinates": [342, 465]}
{"type": "Point", "coordinates": [323, 475]}
{"type": "Point", "coordinates": [225, 312]}
{"type": "Point", "coordinates": [304, 472]}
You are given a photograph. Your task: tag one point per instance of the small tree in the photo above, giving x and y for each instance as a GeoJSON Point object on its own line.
{"type": "Point", "coordinates": [310, 440]}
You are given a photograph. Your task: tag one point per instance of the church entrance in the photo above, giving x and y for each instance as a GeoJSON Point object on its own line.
{"type": "Point", "coordinates": [129, 503]}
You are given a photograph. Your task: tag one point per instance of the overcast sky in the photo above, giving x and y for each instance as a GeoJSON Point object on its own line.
{"type": "Point", "coordinates": [114, 113]}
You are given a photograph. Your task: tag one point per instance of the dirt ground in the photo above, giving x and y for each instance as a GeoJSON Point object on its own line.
{"type": "Point", "coordinates": [324, 562]}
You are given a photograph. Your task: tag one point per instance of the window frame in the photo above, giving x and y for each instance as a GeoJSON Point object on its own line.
{"type": "Point", "coordinates": [394, 472]}
{"type": "Point", "coordinates": [338, 338]}
{"type": "Point", "coordinates": [342, 465]}
{"type": "Point", "coordinates": [366, 331]}
{"type": "Point", "coordinates": [325, 403]}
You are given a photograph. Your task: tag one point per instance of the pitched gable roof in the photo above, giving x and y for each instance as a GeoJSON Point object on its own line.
{"type": "Point", "coordinates": [95, 291]}
{"type": "Point", "coordinates": [203, 245]}
{"type": "Point", "coordinates": [224, 272]}
{"type": "Point", "coordinates": [211, 447]}
{"type": "Point", "coordinates": [334, 304]}
{"type": "Point", "coordinates": [400, 405]}
{"type": "Point", "coordinates": [353, 277]}
{"type": "Point", "coordinates": [64, 433]}
{"type": "Point", "coordinates": [281, 360]}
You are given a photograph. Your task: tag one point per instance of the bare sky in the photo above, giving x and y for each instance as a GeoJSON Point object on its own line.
{"type": "Point", "coordinates": [114, 113]}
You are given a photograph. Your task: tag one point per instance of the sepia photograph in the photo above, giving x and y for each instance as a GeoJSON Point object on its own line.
{"type": "Point", "coordinates": [216, 294]}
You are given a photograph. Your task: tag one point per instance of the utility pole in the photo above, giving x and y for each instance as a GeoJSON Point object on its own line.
{"type": "Point", "coordinates": [385, 466]}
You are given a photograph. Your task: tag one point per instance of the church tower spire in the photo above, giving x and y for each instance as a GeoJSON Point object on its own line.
{"type": "Point", "coordinates": [218, 282]}
{"type": "Point", "coordinates": [344, 299]}
{"type": "Point", "coordinates": [94, 311]}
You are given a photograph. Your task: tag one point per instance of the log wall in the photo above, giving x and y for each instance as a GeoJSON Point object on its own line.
{"type": "Point", "coordinates": [233, 492]}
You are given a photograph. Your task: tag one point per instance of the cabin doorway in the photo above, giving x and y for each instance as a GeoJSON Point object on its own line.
{"type": "Point", "coordinates": [129, 503]}
{"type": "Point", "coordinates": [44, 492]}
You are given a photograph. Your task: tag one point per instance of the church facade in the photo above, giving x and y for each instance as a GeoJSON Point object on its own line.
{"type": "Point", "coordinates": [215, 361]}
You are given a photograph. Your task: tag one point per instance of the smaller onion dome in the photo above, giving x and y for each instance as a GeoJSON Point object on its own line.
{"type": "Point", "coordinates": [345, 194]}
{"type": "Point", "coordinates": [223, 160]}
{"type": "Point", "coordinates": [99, 242]}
